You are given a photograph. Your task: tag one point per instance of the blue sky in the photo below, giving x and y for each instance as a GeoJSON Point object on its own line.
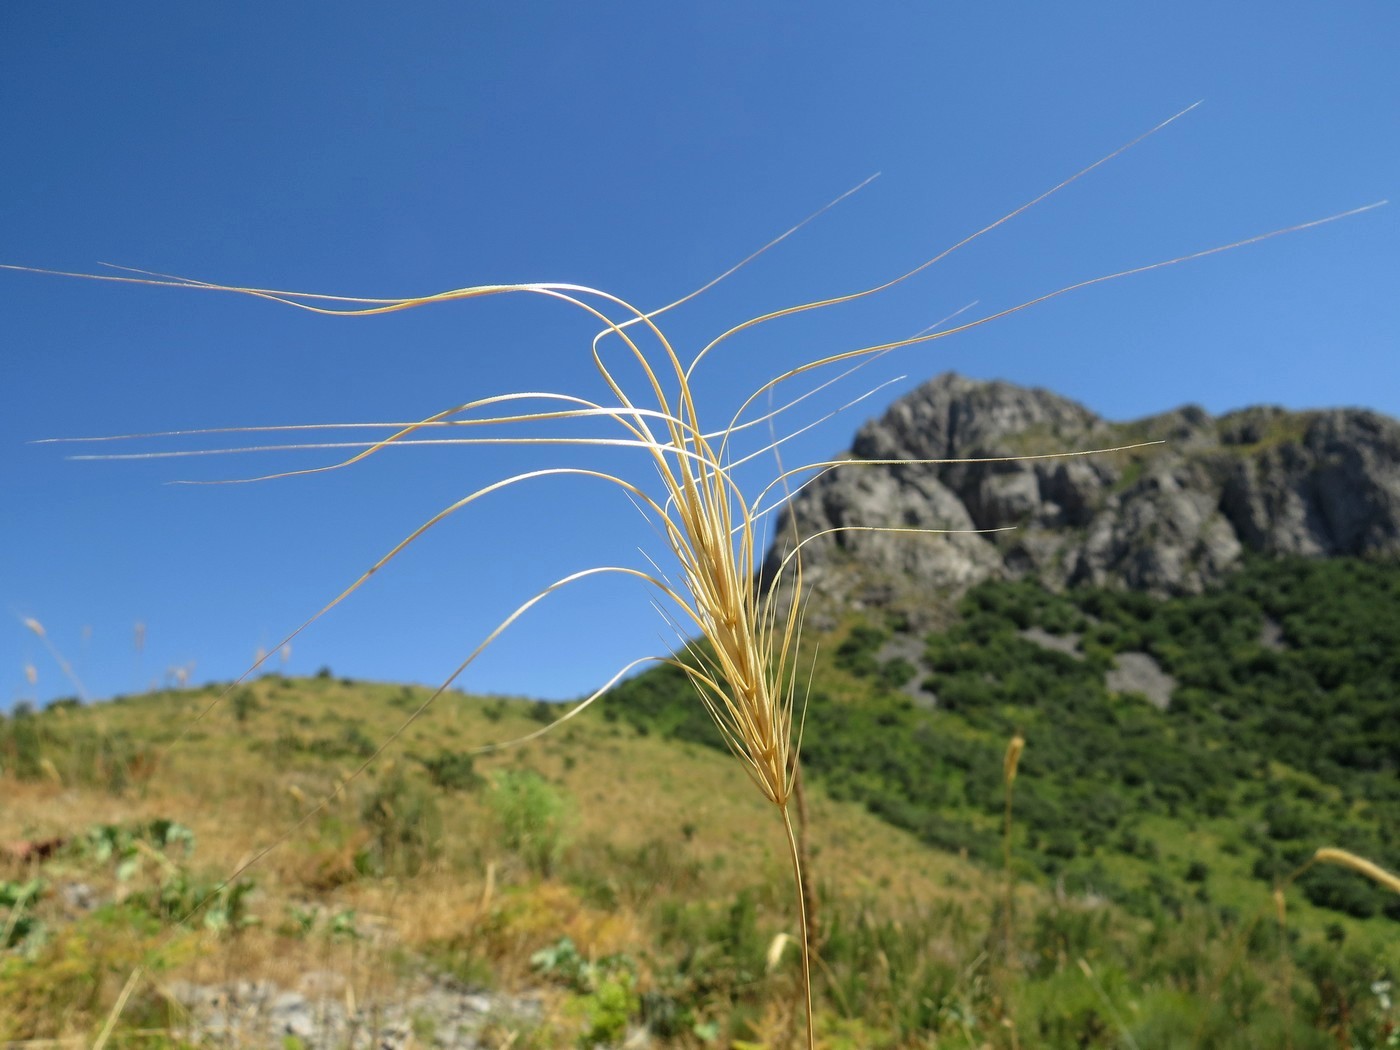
{"type": "Point", "coordinates": [641, 149]}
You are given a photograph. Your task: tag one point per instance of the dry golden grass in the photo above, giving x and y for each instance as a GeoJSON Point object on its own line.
{"type": "Point", "coordinates": [235, 797]}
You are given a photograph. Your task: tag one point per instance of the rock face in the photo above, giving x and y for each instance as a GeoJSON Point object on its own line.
{"type": "Point", "coordinates": [1172, 518]}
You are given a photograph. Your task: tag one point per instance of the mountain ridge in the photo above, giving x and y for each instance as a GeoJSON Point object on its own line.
{"type": "Point", "coordinates": [1168, 519]}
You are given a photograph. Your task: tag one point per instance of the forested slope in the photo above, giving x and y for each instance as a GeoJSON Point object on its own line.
{"type": "Point", "coordinates": [1277, 735]}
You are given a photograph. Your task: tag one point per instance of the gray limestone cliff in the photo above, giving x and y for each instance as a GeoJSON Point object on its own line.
{"type": "Point", "coordinates": [1169, 519]}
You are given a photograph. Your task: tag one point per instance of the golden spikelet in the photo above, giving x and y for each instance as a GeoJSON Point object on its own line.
{"type": "Point", "coordinates": [1012, 759]}
{"type": "Point", "coordinates": [1346, 859]}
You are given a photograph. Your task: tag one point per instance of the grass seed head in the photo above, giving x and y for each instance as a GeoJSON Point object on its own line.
{"type": "Point", "coordinates": [1012, 759]}
{"type": "Point", "coordinates": [1347, 859]}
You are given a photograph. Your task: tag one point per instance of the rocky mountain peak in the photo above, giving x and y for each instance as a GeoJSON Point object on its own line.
{"type": "Point", "coordinates": [952, 416]}
{"type": "Point", "coordinates": [1171, 518]}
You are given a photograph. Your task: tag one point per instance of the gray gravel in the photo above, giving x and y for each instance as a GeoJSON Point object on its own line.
{"type": "Point", "coordinates": [436, 1013]}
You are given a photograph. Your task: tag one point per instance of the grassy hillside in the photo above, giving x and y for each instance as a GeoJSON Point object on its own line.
{"type": "Point", "coordinates": [646, 855]}
{"type": "Point", "coordinates": [622, 874]}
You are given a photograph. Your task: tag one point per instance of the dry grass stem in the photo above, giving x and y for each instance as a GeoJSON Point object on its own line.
{"type": "Point", "coordinates": [739, 637]}
{"type": "Point", "coordinates": [117, 1008]}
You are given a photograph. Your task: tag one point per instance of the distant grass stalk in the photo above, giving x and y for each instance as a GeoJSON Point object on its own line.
{"type": "Point", "coordinates": [63, 665]}
{"type": "Point", "coordinates": [1010, 762]}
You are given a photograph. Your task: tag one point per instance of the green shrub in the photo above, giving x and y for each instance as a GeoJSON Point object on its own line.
{"type": "Point", "coordinates": [244, 704]}
{"type": "Point", "coordinates": [404, 824]}
{"type": "Point", "coordinates": [17, 921]}
{"type": "Point", "coordinates": [532, 818]}
{"type": "Point", "coordinates": [857, 653]}
{"type": "Point", "coordinates": [607, 1010]}
{"type": "Point", "coordinates": [452, 770]}
{"type": "Point", "coordinates": [1339, 890]}
{"type": "Point", "coordinates": [895, 673]}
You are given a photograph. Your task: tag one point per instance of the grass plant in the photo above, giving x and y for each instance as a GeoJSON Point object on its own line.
{"type": "Point", "coordinates": [739, 640]}
{"type": "Point", "coordinates": [1010, 763]}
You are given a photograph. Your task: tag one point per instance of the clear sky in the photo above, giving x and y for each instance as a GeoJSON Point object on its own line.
{"type": "Point", "coordinates": [641, 149]}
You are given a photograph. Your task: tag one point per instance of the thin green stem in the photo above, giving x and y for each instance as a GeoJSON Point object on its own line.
{"type": "Point", "coordinates": [1010, 887]}
{"type": "Point", "coordinates": [802, 921]}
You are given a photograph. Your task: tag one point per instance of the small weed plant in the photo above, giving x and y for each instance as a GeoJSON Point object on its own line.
{"type": "Point", "coordinates": [532, 818]}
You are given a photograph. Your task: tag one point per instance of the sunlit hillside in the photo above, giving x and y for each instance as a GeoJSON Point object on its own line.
{"type": "Point", "coordinates": [607, 885]}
